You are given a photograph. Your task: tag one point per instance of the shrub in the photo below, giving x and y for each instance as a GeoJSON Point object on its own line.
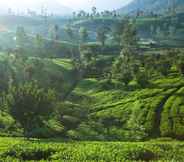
{"type": "Point", "coordinates": [142, 79]}
{"type": "Point", "coordinates": [25, 153]}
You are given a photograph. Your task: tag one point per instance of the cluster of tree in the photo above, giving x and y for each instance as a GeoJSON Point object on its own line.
{"type": "Point", "coordinates": [95, 14]}
{"type": "Point", "coordinates": [29, 12]}
{"type": "Point", "coordinates": [40, 46]}
{"type": "Point", "coordinates": [165, 30]}
{"type": "Point", "coordinates": [141, 13]}
{"type": "Point", "coordinates": [36, 109]}
{"type": "Point", "coordinates": [132, 63]}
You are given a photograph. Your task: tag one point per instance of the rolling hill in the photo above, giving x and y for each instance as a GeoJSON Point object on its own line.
{"type": "Point", "coordinates": [50, 6]}
{"type": "Point", "coordinates": [156, 111]}
{"type": "Point", "coordinates": [151, 5]}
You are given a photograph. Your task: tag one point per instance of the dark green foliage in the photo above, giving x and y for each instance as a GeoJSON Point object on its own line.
{"type": "Point", "coordinates": [181, 68]}
{"type": "Point", "coordinates": [142, 79]}
{"type": "Point", "coordinates": [180, 62]}
{"type": "Point", "coordinates": [29, 153]}
{"type": "Point", "coordinates": [30, 105]}
{"type": "Point", "coordinates": [83, 34]}
{"type": "Point", "coordinates": [118, 30]}
{"type": "Point", "coordinates": [129, 36]}
{"type": "Point", "coordinates": [164, 66]}
{"type": "Point", "coordinates": [102, 34]}
{"type": "Point", "coordinates": [122, 70]}
{"type": "Point", "coordinates": [5, 73]}
{"type": "Point", "coordinates": [69, 31]}
{"type": "Point", "coordinates": [21, 38]}
{"type": "Point", "coordinates": [126, 77]}
{"type": "Point", "coordinates": [71, 115]}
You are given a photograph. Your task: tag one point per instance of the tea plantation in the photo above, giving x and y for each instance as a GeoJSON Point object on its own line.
{"type": "Point", "coordinates": [17, 149]}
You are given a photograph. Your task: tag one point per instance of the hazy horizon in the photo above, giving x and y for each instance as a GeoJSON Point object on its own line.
{"type": "Point", "coordinates": [68, 4]}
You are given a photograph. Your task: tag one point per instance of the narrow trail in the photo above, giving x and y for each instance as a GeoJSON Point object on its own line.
{"type": "Point", "coordinates": [71, 89]}
{"type": "Point", "coordinates": [78, 76]}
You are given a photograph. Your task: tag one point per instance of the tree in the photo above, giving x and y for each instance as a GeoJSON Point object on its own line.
{"type": "Point", "coordinates": [124, 67]}
{"type": "Point", "coordinates": [81, 14]}
{"type": "Point", "coordinates": [158, 31]}
{"type": "Point", "coordinates": [172, 31]}
{"type": "Point", "coordinates": [164, 66]}
{"type": "Point", "coordinates": [172, 7]}
{"type": "Point", "coordinates": [129, 36]}
{"type": "Point", "coordinates": [21, 37]}
{"type": "Point", "coordinates": [30, 105]}
{"type": "Point", "coordinates": [83, 34]}
{"type": "Point", "coordinates": [74, 15]}
{"type": "Point", "coordinates": [152, 29]}
{"type": "Point", "coordinates": [121, 70]}
{"type": "Point", "coordinates": [54, 32]}
{"type": "Point", "coordinates": [142, 79]}
{"type": "Point", "coordinates": [94, 10]}
{"type": "Point", "coordinates": [102, 35]}
{"type": "Point", "coordinates": [39, 44]}
{"type": "Point", "coordinates": [118, 30]}
{"type": "Point", "coordinates": [180, 62]}
{"type": "Point", "coordinates": [69, 32]}
{"type": "Point", "coordinates": [86, 55]}
{"type": "Point", "coordinates": [5, 73]}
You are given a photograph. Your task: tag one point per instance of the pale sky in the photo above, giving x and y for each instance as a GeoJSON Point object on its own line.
{"type": "Point", "coordinates": [73, 4]}
{"type": "Point", "coordinates": [100, 4]}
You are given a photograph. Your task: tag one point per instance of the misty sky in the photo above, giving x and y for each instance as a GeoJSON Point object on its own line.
{"type": "Point", "coordinates": [74, 4]}
{"type": "Point", "coordinates": [101, 4]}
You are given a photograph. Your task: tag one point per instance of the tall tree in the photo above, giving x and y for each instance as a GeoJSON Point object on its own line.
{"type": "Point", "coordinates": [127, 65]}
{"type": "Point", "coordinates": [122, 69]}
{"type": "Point", "coordinates": [83, 34]}
{"type": "Point", "coordinates": [118, 30]}
{"type": "Point", "coordinates": [21, 37]}
{"type": "Point", "coordinates": [54, 32]}
{"type": "Point", "coordinates": [94, 10]}
{"type": "Point", "coordinates": [39, 44]}
{"type": "Point", "coordinates": [102, 34]}
{"type": "Point", "coordinates": [69, 32]}
{"type": "Point", "coordinates": [129, 36]}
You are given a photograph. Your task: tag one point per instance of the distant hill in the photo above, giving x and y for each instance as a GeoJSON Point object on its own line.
{"type": "Point", "coordinates": [151, 5]}
{"type": "Point", "coordinates": [53, 6]}
{"type": "Point", "coordinates": [50, 6]}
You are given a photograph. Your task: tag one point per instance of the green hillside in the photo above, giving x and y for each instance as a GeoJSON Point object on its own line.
{"type": "Point", "coordinates": [151, 6]}
{"type": "Point", "coordinates": [93, 87]}
{"type": "Point", "coordinates": [157, 110]}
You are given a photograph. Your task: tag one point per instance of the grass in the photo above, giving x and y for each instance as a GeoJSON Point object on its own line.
{"type": "Point", "coordinates": [16, 149]}
{"type": "Point", "coordinates": [65, 63]}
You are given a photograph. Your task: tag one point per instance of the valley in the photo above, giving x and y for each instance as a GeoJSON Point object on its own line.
{"type": "Point", "coordinates": [93, 86]}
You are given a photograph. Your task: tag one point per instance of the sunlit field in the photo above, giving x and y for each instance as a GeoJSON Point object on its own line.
{"type": "Point", "coordinates": [16, 149]}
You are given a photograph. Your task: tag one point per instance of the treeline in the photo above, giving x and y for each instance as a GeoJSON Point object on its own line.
{"type": "Point", "coordinates": [133, 63]}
